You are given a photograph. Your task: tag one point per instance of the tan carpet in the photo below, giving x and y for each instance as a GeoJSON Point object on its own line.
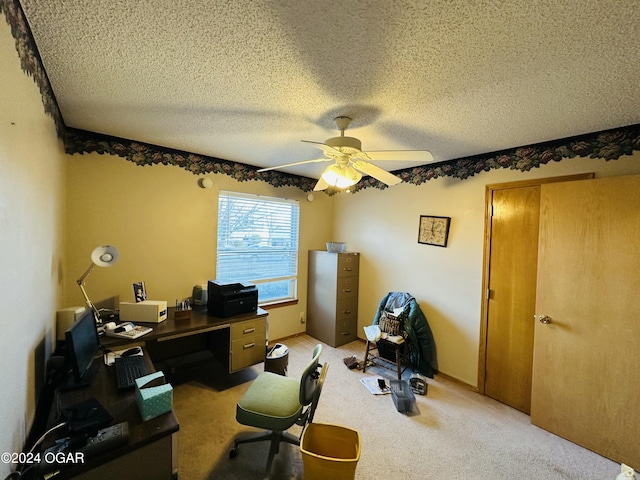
{"type": "Point", "coordinates": [453, 433]}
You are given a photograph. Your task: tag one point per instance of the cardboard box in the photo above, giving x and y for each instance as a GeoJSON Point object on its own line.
{"type": "Point", "coordinates": [153, 395]}
{"type": "Point", "coordinates": [151, 311]}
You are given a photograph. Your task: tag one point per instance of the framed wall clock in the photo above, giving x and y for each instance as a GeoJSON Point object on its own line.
{"type": "Point", "coordinates": [434, 230]}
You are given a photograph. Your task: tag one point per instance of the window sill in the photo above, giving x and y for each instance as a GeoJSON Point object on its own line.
{"type": "Point", "coordinates": [278, 304]}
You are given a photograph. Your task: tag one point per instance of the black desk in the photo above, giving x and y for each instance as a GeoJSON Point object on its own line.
{"type": "Point", "coordinates": [151, 452]}
{"type": "Point", "coordinates": [237, 342]}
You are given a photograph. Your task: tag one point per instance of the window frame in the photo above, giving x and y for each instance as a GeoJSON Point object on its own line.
{"type": "Point", "coordinates": [274, 245]}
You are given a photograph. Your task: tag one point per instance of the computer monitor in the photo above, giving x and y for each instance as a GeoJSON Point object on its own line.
{"type": "Point", "coordinates": [82, 346]}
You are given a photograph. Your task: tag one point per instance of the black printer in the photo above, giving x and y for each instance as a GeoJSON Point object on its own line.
{"type": "Point", "coordinates": [229, 299]}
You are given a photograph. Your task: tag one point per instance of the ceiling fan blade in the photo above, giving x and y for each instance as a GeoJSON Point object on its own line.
{"type": "Point", "coordinates": [296, 163]}
{"type": "Point", "coordinates": [321, 185]}
{"type": "Point", "coordinates": [324, 147]}
{"type": "Point", "coordinates": [401, 155]}
{"type": "Point", "coordinates": [376, 172]}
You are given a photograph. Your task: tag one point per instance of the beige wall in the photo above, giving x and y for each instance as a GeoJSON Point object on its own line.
{"type": "Point", "coordinates": [165, 226]}
{"type": "Point", "coordinates": [31, 197]}
{"type": "Point", "coordinates": [447, 282]}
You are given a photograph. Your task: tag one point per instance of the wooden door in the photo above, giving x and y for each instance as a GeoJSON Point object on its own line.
{"type": "Point", "coordinates": [509, 282]}
{"type": "Point", "coordinates": [511, 300]}
{"type": "Point", "coordinates": [586, 380]}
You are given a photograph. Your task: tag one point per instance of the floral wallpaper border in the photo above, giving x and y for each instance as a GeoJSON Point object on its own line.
{"type": "Point", "coordinates": [142, 154]}
{"type": "Point", "coordinates": [609, 145]}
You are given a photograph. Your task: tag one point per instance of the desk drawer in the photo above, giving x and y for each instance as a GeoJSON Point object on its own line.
{"type": "Point", "coordinates": [249, 328]}
{"type": "Point", "coordinates": [248, 351]}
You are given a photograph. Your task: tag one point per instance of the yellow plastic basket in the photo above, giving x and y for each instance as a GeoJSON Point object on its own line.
{"type": "Point", "coordinates": [329, 451]}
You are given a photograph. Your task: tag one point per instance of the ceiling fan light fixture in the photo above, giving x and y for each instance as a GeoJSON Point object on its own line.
{"type": "Point", "coordinates": [341, 176]}
{"type": "Point", "coordinates": [350, 160]}
{"type": "Point", "coordinates": [345, 144]}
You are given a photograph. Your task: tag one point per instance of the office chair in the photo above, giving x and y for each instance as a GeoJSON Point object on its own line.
{"type": "Point", "coordinates": [276, 403]}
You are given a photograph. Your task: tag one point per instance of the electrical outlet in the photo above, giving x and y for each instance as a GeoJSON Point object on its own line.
{"type": "Point", "coordinates": [302, 317]}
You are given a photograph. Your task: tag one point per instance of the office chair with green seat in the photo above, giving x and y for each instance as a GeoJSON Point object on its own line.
{"type": "Point", "coordinates": [276, 403]}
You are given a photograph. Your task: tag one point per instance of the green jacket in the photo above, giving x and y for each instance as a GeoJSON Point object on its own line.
{"type": "Point", "coordinates": [422, 352]}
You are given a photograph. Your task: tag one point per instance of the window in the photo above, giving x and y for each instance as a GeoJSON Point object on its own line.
{"type": "Point", "coordinates": [258, 243]}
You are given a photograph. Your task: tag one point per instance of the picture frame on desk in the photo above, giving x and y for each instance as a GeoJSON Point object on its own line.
{"type": "Point", "coordinates": [139, 291]}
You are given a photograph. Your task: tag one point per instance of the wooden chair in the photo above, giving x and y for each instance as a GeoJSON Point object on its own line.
{"type": "Point", "coordinates": [390, 350]}
{"type": "Point", "coordinates": [387, 354]}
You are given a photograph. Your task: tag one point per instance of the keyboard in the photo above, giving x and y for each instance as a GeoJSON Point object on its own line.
{"type": "Point", "coordinates": [128, 369]}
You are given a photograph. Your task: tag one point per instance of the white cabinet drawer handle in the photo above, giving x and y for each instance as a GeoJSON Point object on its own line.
{"type": "Point", "coordinates": [249, 330]}
{"type": "Point", "coordinates": [249, 345]}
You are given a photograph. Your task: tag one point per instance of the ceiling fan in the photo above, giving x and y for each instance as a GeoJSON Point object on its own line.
{"type": "Point", "coordinates": [351, 162]}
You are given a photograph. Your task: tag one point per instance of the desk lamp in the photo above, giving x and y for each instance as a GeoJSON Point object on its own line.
{"type": "Point", "coordinates": [102, 256]}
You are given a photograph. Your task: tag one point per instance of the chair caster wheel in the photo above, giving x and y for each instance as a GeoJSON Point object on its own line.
{"type": "Point", "coordinates": [233, 452]}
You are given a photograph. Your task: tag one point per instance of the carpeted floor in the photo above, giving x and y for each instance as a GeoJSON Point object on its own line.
{"type": "Point", "coordinates": [452, 432]}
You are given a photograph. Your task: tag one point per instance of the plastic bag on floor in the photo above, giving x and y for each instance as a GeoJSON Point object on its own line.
{"type": "Point", "coordinates": [626, 473]}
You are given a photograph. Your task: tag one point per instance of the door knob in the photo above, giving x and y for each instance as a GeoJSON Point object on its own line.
{"type": "Point", "coordinates": [544, 319]}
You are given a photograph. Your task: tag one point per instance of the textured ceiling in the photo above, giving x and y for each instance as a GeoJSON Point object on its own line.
{"type": "Point", "coordinates": [246, 80]}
